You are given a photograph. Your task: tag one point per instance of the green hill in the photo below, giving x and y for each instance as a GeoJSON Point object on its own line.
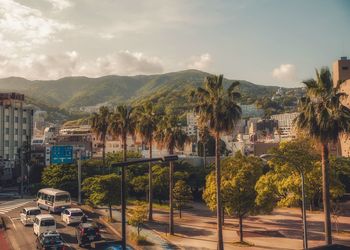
{"type": "Point", "coordinates": [75, 92]}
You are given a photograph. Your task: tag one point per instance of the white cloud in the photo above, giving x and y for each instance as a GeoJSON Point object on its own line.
{"type": "Point", "coordinates": [23, 28]}
{"type": "Point", "coordinates": [201, 62]}
{"type": "Point", "coordinates": [39, 66]}
{"type": "Point", "coordinates": [107, 36]}
{"type": "Point", "coordinates": [285, 73]}
{"type": "Point", "coordinates": [60, 4]}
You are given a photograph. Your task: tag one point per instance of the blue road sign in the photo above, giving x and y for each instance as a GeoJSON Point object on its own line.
{"type": "Point", "coordinates": [61, 154]}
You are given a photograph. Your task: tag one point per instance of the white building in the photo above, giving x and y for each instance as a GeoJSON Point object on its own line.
{"type": "Point", "coordinates": [285, 125]}
{"type": "Point", "coordinates": [192, 124]}
{"type": "Point", "coordinates": [16, 124]}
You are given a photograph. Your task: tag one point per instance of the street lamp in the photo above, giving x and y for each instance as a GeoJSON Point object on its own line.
{"type": "Point", "coordinates": [265, 157]}
{"type": "Point", "coordinates": [123, 164]}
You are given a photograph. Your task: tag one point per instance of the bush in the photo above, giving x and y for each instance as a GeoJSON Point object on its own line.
{"type": "Point", "coordinates": [140, 240]}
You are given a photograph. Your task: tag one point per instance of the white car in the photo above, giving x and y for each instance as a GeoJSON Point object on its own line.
{"type": "Point", "coordinates": [72, 215]}
{"type": "Point", "coordinates": [28, 214]}
{"type": "Point", "coordinates": [44, 223]}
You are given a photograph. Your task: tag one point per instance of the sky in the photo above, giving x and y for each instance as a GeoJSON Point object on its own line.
{"type": "Point", "coordinates": [270, 42]}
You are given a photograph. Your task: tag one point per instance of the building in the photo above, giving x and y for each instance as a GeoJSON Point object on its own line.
{"type": "Point", "coordinates": [192, 124]}
{"type": "Point", "coordinates": [251, 110]}
{"type": "Point", "coordinates": [341, 72]}
{"type": "Point", "coordinates": [16, 124]}
{"type": "Point", "coordinates": [285, 125]}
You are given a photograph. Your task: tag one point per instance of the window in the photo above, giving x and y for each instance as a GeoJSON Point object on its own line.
{"type": "Point", "coordinates": [344, 68]}
{"type": "Point", "coordinates": [7, 131]}
{"type": "Point", "coordinates": [47, 223]}
{"type": "Point", "coordinates": [16, 119]}
{"type": "Point", "coordinates": [16, 131]}
{"type": "Point", "coordinates": [7, 118]}
{"type": "Point", "coordinates": [7, 143]}
{"type": "Point", "coordinates": [24, 132]}
{"type": "Point", "coordinates": [62, 197]}
{"type": "Point", "coordinates": [34, 212]}
{"type": "Point", "coordinates": [16, 143]}
{"type": "Point", "coordinates": [24, 120]}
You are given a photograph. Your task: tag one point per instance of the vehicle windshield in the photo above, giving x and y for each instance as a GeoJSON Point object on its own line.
{"type": "Point", "coordinates": [77, 214]}
{"type": "Point", "coordinates": [62, 197]}
{"type": "Point", "coordinates": [52, 240]}
{"type": "Point", "coordinates": [47, 223]}
{"type": "Point", "coordinates": [34, 212]}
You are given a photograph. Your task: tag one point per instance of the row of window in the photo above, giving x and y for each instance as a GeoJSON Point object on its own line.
{"type": "Point", "coordinates": [7, 119]}
{"type": "Point", "coordinates": [7, 131]}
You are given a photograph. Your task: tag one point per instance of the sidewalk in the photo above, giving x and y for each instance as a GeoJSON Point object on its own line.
{"type": "Point", "coordinates": [280, 230]}
{"type": "Point", "coordinates": [157, 241]}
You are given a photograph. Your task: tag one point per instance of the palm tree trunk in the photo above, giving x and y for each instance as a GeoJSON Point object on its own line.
{"type": "Point", "coordinates": [326, 194]}
{"type": "Point", "coordinates": [150, 186]}
{"type": "Point", "coordinates": [123, 191]}
{"type": "Point", "coordinates": [171, 185]}
{"type": "Point", "coordinates": [241, 229]}
{"type": "Point", "coordinates": [205, 155]}
{"type": "Point", "coordinates": [104, 153]}
{"type": "Point", "coordinates": [218, 193]}
{"type": "Point", "coordinates": [110, 211]}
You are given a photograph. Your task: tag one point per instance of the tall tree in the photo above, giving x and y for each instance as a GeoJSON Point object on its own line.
{"type": "Point", "coordinates": [204, 136]}
{"type": "Point", "coordinates": [325, 118]}
{"type": "Point", "coordinates": [171, 136]}
{"type": "Point", "coordinates": [99, 125]}
{"type": "Point", "coordinates": [182, 195]}
{"type": "Point", "coordinates": [218, 109]}
{"type": "Point", "coordinates": [122, 124]}
{"type": "Point", "coordinates": [147, 119]}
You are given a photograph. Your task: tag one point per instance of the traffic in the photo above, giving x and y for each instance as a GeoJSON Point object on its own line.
{"type": "Point", "coordinates": [56, 224]}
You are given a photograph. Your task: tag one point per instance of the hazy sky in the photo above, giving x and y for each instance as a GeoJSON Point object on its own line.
{"type": "Point", "coordinates": [263, 41]}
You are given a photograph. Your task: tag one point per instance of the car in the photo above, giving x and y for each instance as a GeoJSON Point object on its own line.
{"type": "Point", "coordinates": [43, 223]}
{"type": "Point", "coordinates": [72, 215]}
{"type": "Point", "coordinates": [28, 214]}
{"type": "Point", "coordinates": [87, 232]}
{"type": "Point", "coordinates": [50, 240]}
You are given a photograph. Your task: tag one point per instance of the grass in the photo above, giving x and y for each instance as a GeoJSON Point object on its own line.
{"type": "Point", "coordinates": [140, 240]}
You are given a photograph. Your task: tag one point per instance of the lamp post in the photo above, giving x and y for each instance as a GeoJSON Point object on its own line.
{"type": "Point", "coordinates": [123, 188]}
{"type": "Point", "coordinates": [265, 157]}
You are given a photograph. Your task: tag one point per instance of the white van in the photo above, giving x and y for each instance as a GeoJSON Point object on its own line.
{"type": "Point", "coordinates": [53, 200]}
{"type": "Point", "coordinates": [44, 223]}
{"type": "Point", "coordinates": [28, 215]}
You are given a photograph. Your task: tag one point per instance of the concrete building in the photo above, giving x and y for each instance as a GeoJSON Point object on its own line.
{"type": "Point", "coordinates": [16, 124]}
{"type": "Point", "coordinates": [192, 124]}
{"type": "Point", "coordinates": [341, 72]}
{"type": "Point", "coordinates": [251, 110]}
{"type": "Point", "coordinates": [285, 125]}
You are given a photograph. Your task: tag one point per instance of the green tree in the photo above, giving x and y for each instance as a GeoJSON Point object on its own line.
{"type": "Point", "coordinates": [218, 109]}
{"type": "Point", "coordinates": [137, 217]}
{"type": "Point", "coordinates": [99, 125]}
{"type": "Point", "coordinates": [61, 177]}
{"type": "Point", "coordinates": [171, 136]}
{"type": "Point", "coordinates": [324, 117]}
{"type": "Point", "coordinates": [102, 190]}
{"type": "Point", "coordinates": [182, 195]}
{"type": "Point", "coordinates": [239, 176]}
{"type": "Point", "coordinates": [160, 182]}
{"type": "Point", "coordinates": [147, 120]}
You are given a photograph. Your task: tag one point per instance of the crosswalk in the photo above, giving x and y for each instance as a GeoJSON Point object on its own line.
{"type": "Point", "coordinates": [8, 206]}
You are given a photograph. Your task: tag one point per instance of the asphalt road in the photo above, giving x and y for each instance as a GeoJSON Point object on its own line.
{"type": "Point", "coordinates": [22, 237]}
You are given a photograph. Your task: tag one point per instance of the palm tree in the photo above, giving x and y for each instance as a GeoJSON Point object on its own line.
{"type": "Point", "coordinates": [324, 118]}
{"type": "Point", "coordinates": [122, 124]}
{"type": "Point", "coordinates": [204, 135]}
{"type": "Point", "coordinates": [218, 110]}
{"type": "Point", "coordinates": [99, 125]}
{"type": "Point", "coordinates": [147, 120]}
{"type": "Point", "coordinates": [171, 135]}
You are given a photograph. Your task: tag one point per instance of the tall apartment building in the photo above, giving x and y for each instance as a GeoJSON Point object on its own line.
{"type": "Point", "coordinates": [341, 72]}
{"type": "Point", "coordinates": [285, 125]}
{"type": "Point", "coordinates": [16, 124]}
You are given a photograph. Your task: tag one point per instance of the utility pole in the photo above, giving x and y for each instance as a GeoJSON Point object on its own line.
{"type": "Point", "coordinates": [79, 176]}
{"type": "Point", "coordinates": [20, 159]}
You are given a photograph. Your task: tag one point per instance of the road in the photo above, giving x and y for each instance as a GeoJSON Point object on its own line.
{"type": "Point", "coordinates": [22, 237]}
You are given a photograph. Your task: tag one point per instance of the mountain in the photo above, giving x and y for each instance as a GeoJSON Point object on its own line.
{"type": "Point", "coordinates": [74, 92]}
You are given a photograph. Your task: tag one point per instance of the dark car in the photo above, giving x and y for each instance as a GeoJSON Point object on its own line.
{"type": "Point", "coordinates": [87, 232]}
{"type": "Point", "coordinates": [50, 241]}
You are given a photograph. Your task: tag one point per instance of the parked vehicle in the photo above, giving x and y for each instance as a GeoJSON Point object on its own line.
{"type": "Point", "coordinates": [87, 233]}
{"type": "Point", "coordinates": [28, 214]}
{"type": "Point", "coordinates": [72, 215]}
{"type": "Point", "coordinates": [53, 200]}
{"type": "Point", "coordinates": [50, 240]}
{"type": "Point", "coordinates": [44, 223]}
